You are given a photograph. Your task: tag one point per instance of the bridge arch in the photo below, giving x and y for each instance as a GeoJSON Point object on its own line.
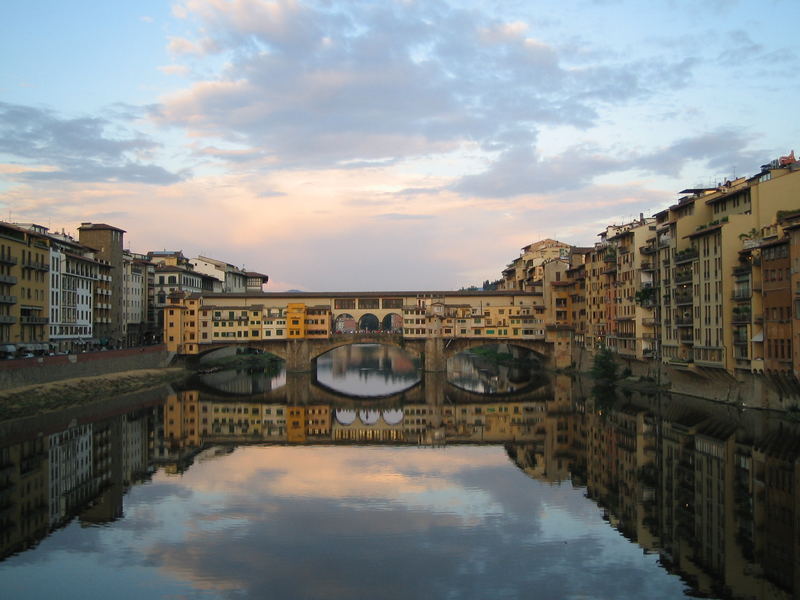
{"type": "Point", "coordinates": [369, 322]}
{"type": "Point", "coordinates": [540, 348]}
{"type": "Point", "coordinates": [392, 322]}
{"type": "Point", "coordinates": [344, 323]}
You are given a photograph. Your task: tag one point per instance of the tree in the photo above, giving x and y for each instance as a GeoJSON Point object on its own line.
{"type": "Point", "coordinates": [604, 368]}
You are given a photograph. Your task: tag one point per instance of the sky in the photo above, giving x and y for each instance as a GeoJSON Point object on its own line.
{"type": "Point", "coordinates": [382, 145]}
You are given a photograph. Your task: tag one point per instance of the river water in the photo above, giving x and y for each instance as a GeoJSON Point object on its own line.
{"type": "Point", "coordinates": [370, 479]}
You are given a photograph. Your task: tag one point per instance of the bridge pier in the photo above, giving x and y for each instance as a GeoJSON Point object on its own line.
{"type": "Point", "coordinates": [298, 388]}
{"type": "Point", "coordinates": [435, 360]}
{"type": "Point", "coordinates": [298, 356]}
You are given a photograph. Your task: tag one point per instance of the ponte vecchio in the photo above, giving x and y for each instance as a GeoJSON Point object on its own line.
{"type": "Point", "coordinates": [300, 326]}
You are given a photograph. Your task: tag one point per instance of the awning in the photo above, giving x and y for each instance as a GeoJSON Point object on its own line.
{"type": "Point", "coordinates": [8, 348]}
{"type": "Point", "coordinates": [33, 346]}
{"type": "Point", "coordinates": [759, 337]}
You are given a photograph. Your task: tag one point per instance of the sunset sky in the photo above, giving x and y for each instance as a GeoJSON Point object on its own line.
{"type": "Point", "coordinates": [383, 145]}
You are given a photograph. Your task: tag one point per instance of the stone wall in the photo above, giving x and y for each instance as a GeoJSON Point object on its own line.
{"type": "Point", "coordinates": [46, 369]}
{"type": "Point", "coordinates": [745, 389]}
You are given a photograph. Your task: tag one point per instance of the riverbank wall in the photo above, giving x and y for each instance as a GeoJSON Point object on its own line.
{"type": "Point", "coordinates": [47, 369]}
{"type": "Point", "coordinates": [773, 391]}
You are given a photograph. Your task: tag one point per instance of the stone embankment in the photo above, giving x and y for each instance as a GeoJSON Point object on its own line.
{"type": "Point", "coordinates": [769, 391]}
{"type": "Point", "coordinates": [38, 399]}
{"type": "Point", "coordinates": [45, 369]}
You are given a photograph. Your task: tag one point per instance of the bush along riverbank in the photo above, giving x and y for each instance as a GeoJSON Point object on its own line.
{"type": "Point", "coordinates": [493, 354]}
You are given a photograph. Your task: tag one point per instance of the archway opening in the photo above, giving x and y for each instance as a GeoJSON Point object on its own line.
{"type": "Point", "coordinates": [344, 323]}
{"type": "Point", "coordinates": [496, 369]}
{"type": "Point", "coordinates": [369, 322]}
{"type": "Point", "coordinates": [392, 322]}
{"type": "Point", "coordinates": [368, 370]}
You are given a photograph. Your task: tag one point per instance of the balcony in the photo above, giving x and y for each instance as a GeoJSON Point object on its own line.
{"type": "Point", "coordinates": [610, 257]}
{"type": "Point", "coordinates": [683, 277]}
{"type": "Point", "coordinates": [741, 316]}
{"type": "Point", "coordinates": [8, 260]}
{"type": "Point", "coordinates": [10, 279]}
{"type": "Point", "coordinates": [4, 299]}
{"type": "Point", "coordinates": [36, 265]}
{"type": "Point", "coordinates": [687, 337]}
{"type": "Point", "coordinates": [7, 320]}
{"type": "Point", "coordinates": [742, 270]}
{"type": "Point", "coordinates": [648, 266]}
{"type": "Point", "coordinates": [741, 294]}
{"type": "Point", "coordinates": [681, 299]}
{"type": "Point", "coordinates": [684, 321]}
{"type": "Point", "coordinates": [647, 249]}
{"type": "Point", "coordinates": [31, 320]}
{"type": "Point", "coordinates": [685, 256]}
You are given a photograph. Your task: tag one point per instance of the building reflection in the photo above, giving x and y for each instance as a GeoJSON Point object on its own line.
{"type": "Point", "coordinates": [56, 469]}
{"type": "Point", "coordinates": [710, 489]}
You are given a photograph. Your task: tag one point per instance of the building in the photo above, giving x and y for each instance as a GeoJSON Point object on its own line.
{"type": "Point", "coordinates": [109, 317]}
{"type": "Point", "coordinates": [24, 289]}
{"type": "Point", "coordinates": [233, 280]}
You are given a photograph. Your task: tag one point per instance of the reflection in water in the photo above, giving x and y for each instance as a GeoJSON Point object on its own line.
{"type": "Point", "coordinates": [708, 492]}
{"type": "Point", "coordinates": [245, 381]}
{"type": "Point", "coordinates": [368, 370]}
{"type": "Point", "coordinates": [494, 369]}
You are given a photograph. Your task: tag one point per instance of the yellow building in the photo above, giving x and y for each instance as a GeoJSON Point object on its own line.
{"type": "Point", "coordinates": [296, 320]}
{"type": "Point", "coordinates": [24, 289]}
{"type": "Point", "coordinates": [182, 427]}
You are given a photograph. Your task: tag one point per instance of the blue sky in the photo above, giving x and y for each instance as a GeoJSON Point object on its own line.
{"type": "Point", "coordinates": [382, 145]}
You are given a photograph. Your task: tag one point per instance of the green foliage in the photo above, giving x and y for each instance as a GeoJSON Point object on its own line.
{"type": "Point", "coordinates": [604, 368]}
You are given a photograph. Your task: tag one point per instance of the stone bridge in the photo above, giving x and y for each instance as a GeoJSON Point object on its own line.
{"type": "Point", "coordinates": [299, 354]}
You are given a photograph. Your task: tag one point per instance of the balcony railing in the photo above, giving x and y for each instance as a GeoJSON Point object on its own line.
{"type": "Point", "coordinates": [8, 260]}
{"type": "Point", "coordinates": [683, 299]}
{"type": "Point", "coordinates": [4, 299]}
{"type": "Point", "coordinates": [8, 319]}
{"type": "Point", "coordinates": [683, 277]}
{"type": "Point", "coordinates": [35, 264]}
{"type": "Point", "coordinates": [10, 279]}
{"type": "Point", "coordinates": [684, 321]}
{"type": "Point", "coordinates": [647, 249]}
{"type": "Point", "coordinates": [741, 294]}
{"type": "Point", "coordinates": [31, 320]}
{"type": "Point", "coordinates": [685, 255]}
{"type": "Point", "coordinates": [741, 316]}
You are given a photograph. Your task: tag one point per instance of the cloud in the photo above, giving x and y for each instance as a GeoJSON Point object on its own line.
{"type": "Point", "coordinates": [77, 149]}
{"type": "Point", "coordinates": [182, 70]}
{"type": "Point", "coordinates": [721, 149]}
{"type": "Point", "coordinates": [325, 84]}
{"type": "Point", "coordinates": [520, 170]}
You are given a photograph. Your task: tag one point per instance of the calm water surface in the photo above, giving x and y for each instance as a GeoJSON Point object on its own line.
{"type": "Point", "coordinates": [255, 485]}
